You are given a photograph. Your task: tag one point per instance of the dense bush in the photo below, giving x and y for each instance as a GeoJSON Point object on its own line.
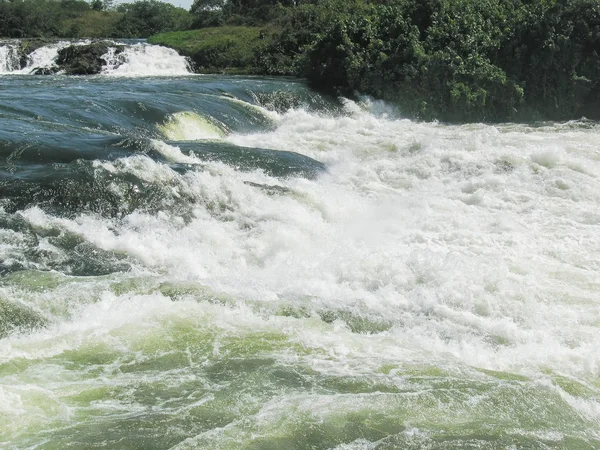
{"type": "Point", "coordinates": [458, 60]}
{"type": "Point", "coordinates": [211, 13]}
{"type": "Point", "coordinates": [78, 18]}
{"type": "Point", "coordinates": [34, 18]}
{"type": "Point", "coordinates": [146, 17]}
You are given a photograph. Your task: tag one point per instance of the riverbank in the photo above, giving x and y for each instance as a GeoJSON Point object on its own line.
{"type": "Point", "coordinates": [229, 50]}
{"type": "Point", "coordinates": [461, 61]}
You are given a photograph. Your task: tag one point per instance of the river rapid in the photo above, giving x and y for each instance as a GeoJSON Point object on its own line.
{"type": "Point", "coordinates": [212, 262]}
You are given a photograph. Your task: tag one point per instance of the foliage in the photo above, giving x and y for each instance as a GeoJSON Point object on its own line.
{"type": "Point", "coordinates": [98, 18]}
{"type": "Point", "coordinates": [91, 24]}
{"type": "Point", "coordinates": [31, 18]}
{"type": "Point", "coordinates": [97, 5]}
{"type": "Point", "coordinates": [455, 60]}
{"type": "Point", "coordinates": [146, 17]}
{"type": "Point", "coordinates": [222, 49]}
{"type": "Point", "coordinates": [458, 60]}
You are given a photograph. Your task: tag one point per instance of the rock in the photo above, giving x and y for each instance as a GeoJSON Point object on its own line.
{"type": "Point", "coordinates": [84, 59]}
{"type": "Point", "coordinates": [44, 70]}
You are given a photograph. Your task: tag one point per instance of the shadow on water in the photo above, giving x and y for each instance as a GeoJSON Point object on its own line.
{"type": "Point", "coordinates": [273, 162]}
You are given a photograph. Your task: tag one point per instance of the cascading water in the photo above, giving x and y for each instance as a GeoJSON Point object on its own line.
{"type": "Point", "coordinates": [213, 262]}
{"type": "Point", "coordinates": [42, 57]}
{"type": "Point", "coordinates": [138, 59]}
{"type": "Point", "coordinates": [144, 59]}
{"type": "Point", "coordinates": [9, 58]}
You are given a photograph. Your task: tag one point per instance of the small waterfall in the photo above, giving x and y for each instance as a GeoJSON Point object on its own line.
{"type": "Point", "coordinates": [135, 60]}
{"type": "Point", "coordinates": [113, 60]}
{"type": "Point", "coordinates": [9, 58]}
{"type": "Point", "coordinates": [44, 57]}
{"type": "Point", "coordinates": [40, 58]}
{"type": "Point", "coordinates": [145, 60]}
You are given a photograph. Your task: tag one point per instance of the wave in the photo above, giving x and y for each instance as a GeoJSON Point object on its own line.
{"type": "Point", "coordinates": [189, 126]}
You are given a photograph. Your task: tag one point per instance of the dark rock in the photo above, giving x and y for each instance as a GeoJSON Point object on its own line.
{"type": "Point", "coordinates": [84, 59]}
{"type": "Point", "coordinates": [44, 70]}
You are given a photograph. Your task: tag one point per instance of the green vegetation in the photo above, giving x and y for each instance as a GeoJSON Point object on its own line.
{"type": "Point", "coordinates": [144, 18]}
{"type": "Point", "coordinates": [224, 49]}
{"type": "Point", "coordinates": [90, 24]}
{"type": "Point", "coordinates": [465, 60]}
{"type": "Point", "coordinates": [78, 18]}
{"type": "Point", "coordinates": [453, 60]}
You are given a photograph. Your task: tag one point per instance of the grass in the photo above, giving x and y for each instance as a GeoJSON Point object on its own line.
{"type": "Point", "coordinates": [231, 49]}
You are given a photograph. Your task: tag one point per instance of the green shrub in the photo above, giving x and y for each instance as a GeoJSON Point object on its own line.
{"type": "Point", "coordinates": [456, 60]}
{"type": "Point", "coordinates": [78, 18]}
{"type": "Point", "coordinates": [147, 17]}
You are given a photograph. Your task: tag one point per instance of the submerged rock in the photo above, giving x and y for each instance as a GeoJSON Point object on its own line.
{"type": "Point", "coordinates": [85, 59]}
{"type": "Point", "coordinates": [44, 70]}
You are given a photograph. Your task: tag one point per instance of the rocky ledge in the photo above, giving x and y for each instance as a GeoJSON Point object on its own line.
{"type": "Point", "coordinates": [76, 59]}
{"type": "Point", "coordinates": [85, 59]}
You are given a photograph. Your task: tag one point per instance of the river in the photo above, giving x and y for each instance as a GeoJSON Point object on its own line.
{"type": "Point", "coordinates": [213, 262]}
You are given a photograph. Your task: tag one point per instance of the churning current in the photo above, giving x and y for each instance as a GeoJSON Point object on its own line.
{"type": "Point", "coordinates": [210, 262]}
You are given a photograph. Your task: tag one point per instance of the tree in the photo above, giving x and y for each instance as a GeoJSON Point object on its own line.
{"type": "Point", "coordinates": [207, 5]}
{"type": "Point", "coordinates": [147, 17]}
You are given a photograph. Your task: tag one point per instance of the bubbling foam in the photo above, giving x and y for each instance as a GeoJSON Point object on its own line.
{"type": "Point", "coordinates": [456, 236]}
{"type": "Point", "coordinates": [146, 60]}
{"type": "Point", "coordinates": [9, 58]}
{"type": "Point", "coordinates": [433, 272]}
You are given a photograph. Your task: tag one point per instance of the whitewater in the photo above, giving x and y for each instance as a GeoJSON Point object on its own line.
{"type": "Point", "coordinates": [213, 262]}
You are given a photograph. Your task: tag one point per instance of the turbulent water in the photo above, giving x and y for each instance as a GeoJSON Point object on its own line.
{"type": "Point", "coordinates": [209, 262]}
{"type": "Point", "coordinates": [137, 59]}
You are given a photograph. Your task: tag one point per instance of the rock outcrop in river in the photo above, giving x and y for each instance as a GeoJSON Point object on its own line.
{"type": "Point", "coordinates": [85, 59]}
{"type": "Point", "coordinates": [72, 59]}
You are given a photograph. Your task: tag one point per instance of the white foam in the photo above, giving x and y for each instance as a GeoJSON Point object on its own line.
{"type": "Point", "coordinates": [9, 58]}
{"type": "Point", "coordinates": [465, 246]}
{"type": "Point", "coordinates": [146, 60]}
{"type": "Point", "coordinates": [136, 60]}
{"type": "Point", "coordinates": [421, 224]}
{"type": "Point", "coordinates": [43, 57]}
